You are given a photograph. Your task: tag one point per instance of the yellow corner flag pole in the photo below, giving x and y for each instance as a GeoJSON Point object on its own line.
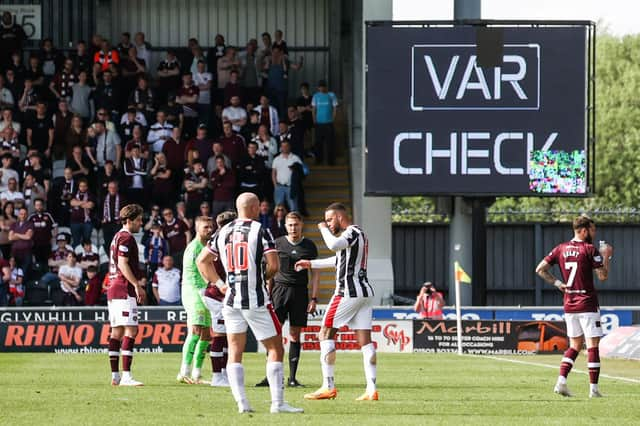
{"type": "Point", "coordinates": [460, 276]}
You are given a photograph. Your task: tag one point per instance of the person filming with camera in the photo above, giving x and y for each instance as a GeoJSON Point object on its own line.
{"type": "Point", "coordinates": [429, 302]}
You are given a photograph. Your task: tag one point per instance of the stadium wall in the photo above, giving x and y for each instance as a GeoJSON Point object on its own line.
{"type": "Point", "coordinates": [420, 253]}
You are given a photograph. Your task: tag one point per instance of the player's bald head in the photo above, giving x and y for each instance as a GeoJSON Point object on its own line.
{"type": "Point", "coordinates": [247, 205]}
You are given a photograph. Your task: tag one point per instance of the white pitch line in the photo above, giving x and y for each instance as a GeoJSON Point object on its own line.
{"type": "Point", "coordinates": [536, 364]}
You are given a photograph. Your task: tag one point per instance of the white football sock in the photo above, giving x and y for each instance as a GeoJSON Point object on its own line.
{"type": "Point", "coordinates": [326, 347]}
{"type": "Point", "coordinates": [275, 375]}
{"type": "Point", "coordinates": [593, 387]}
{"type": "Point", "coordinates": [197, 373]}
{"type": "Point", "coordinates": [115, 376]}
{"type": "Point", "coordinates": [185, 369]}
{"type": "Point", "coordinates": [562, 380]}
{"type": "Point", "coordinates": [236, 381]}
{"type": "Point", "coordinates": [127, 375]}
{"type": "Point", "coordinates": [369, 361]}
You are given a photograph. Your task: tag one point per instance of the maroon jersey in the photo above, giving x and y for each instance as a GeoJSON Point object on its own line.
{"type": "Point", "coordinates": [43, 224]}
{"type": "Point", "coordinates": [174, 232]}
{"type": "Point", "coordinates": [122, 245]}
{"type": "Point", "coordinates": [577, 260]}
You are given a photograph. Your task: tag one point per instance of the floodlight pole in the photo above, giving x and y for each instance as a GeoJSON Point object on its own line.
{"type": "Point", "coordinates": [467, 220]}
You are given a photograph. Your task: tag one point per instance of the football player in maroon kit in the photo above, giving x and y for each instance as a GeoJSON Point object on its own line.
{"type": "Point", "coordinates": [124, 291]}
{"type": "Point", "coordinates": [577, 259]}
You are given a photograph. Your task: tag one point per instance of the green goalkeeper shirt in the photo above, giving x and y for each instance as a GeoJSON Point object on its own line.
{"type": "Point", "coordinates": [190, 275]}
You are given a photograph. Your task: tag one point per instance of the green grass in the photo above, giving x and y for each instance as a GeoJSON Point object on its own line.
{"type": "Point", "coordinates": [414, 389]}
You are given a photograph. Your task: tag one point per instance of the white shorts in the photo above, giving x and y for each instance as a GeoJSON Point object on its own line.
{"type": "Point", "coordinates": [263, 321]}
{"type": "Point", "coordinates": [123, 312]}
{"type": "Point", "coordinates": [584, 323]}
{"type": "Point", "coordinates": [215, 307]}
{"type": "Point", "coordinates": [354, 312]}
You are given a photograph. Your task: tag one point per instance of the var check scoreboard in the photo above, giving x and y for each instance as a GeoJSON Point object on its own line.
{"type": "Point", "coordinates": [480, 108]}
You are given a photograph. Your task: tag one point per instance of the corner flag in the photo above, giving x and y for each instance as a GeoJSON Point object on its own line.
{"type": "Point", "coordinates": [461, 275]}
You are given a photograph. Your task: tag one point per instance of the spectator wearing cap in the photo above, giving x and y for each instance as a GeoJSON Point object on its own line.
{"type": "Point", "coordinates": [324, 105]}
{"type": "Point", "coordinates": [144, 99]}
{"type": "Point", "coordinates": [130, 119]}
{"type": "Point", "coordinates": [187, 97]}
{"type": "Point", "coordinates": [44, 228]}
{"type": "Point", "coordinates": [159, 132]}
{"type": "Point", "coordinates": [40, 131]}
{"type": "Point", "coordinates": [82, 207]}
{"type": "Point", "coordinates": [268, 115]}
{"type": "Point", "coordinates": [281, 176]}
{"type": "Point", "coordinates": [203, 80]}
{"type": "Point", "coordinates": [168, 75]}
{"type": "Point", "coordinates": [111, 206]}
{"type": "Point", "coordinates": [235, 114]}
{"type": "Point", "coordinates": [223, 186]}
{"type": "Point", "coordinates": [135, 170]}
{"type": "Point", "coordinates": [166, 283]}
{"type": "Point", "coordinates": [107, 145]}
{"type": "Point", "coordinates": [233, 144]}
{"type": "Point", "coordinates": [21, 236]}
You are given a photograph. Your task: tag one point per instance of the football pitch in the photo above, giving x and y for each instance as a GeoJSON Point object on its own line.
{"type": "Point", "coordinates": [414, 389]}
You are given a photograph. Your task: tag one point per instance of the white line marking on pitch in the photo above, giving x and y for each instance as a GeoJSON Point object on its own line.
{"type": "Point", "coordinates": [536, 364]}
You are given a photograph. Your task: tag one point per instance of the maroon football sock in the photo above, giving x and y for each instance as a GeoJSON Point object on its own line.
{"type": "Point", "coordinates": [567, 361]}
{"type": "Point", "coordinates": [114, 354]}
{"type": "Point", "coordinates": [216, 353]}
{"type": "Point", "coordinates": [127, 353]}
{"type": "Point", "coordinates": [593, 360]}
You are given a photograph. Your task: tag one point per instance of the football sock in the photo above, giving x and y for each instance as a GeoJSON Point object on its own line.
{"type": "Point", "coordinates": [216, 353]}
{"type": "Point", "coordinates": [235, 371]}
{"type": "Point", "coordinates": [294, 357]}
{"type": "Point", "coordinates": [369, 360]}
{"type": "Point", "coordinates": [225, 352]}
{"type": "Point", "coordinates": [567, 363]}
{"type": "Point", "coordinates": [200, 353]}
{"type": "Point", "coordinates": [593, 362]}
{"type": "Point", "coordinates": [188, 348]}
{"type": "Point", "coordinates": [114, 356]}
{"type": "Point", "coordinates": [327, 362]}
{"type": "Point", "coordinates": [127, 354]}
{"type": "Point", "coordinates": [275, 375]}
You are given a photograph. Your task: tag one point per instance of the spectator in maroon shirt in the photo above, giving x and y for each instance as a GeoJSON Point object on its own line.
{"type": "Point", "coordinates": [21, 234]}
{"type": "Point", "coordinates": [174, 151]}
{"type": "Point", "coordinates": [43, 227]}
{"type": "Point", "coordinates": [93, 287]}
{"type": "Point", "coordinates": [188, 97]}
{"type": "Point", "coordinates": [232, 88]}
{"type": "Point", "coordinates": [223, 187]}
{"type": "Point", "coordinates": [201, 143]}
{"type": "Point", "coordinates": [177, 234]}
{"type": "Point", "coordinates": [82, 206]}
{"type": "Point", "coordinates": [232, 144]}
{"type": "Point", "coordinates": [162, 189]}
{"type": "Point", "coordinates": [195, 185]}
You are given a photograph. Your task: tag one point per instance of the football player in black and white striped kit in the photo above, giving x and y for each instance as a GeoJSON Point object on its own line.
{"type": "Point", "coordinates": [248, 255]}
{"type": "Point", "coordinates": [351, 304]}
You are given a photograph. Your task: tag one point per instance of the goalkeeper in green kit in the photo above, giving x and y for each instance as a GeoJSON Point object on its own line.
{"type": "Point", "coordinates": [198, 316]}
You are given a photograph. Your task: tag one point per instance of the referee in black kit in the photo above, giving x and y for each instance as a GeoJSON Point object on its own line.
{"type": "Point", "coordinates": [289, 290]}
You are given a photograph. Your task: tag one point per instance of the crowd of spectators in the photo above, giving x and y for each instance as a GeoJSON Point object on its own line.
{"type": "Point", "coordinates": [82, 134]}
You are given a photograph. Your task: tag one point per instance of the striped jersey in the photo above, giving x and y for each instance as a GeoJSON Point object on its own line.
{"type": "Point", "coordinates": [351, 265]}
{"type": "Point", "coordinates": [241, 245]}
